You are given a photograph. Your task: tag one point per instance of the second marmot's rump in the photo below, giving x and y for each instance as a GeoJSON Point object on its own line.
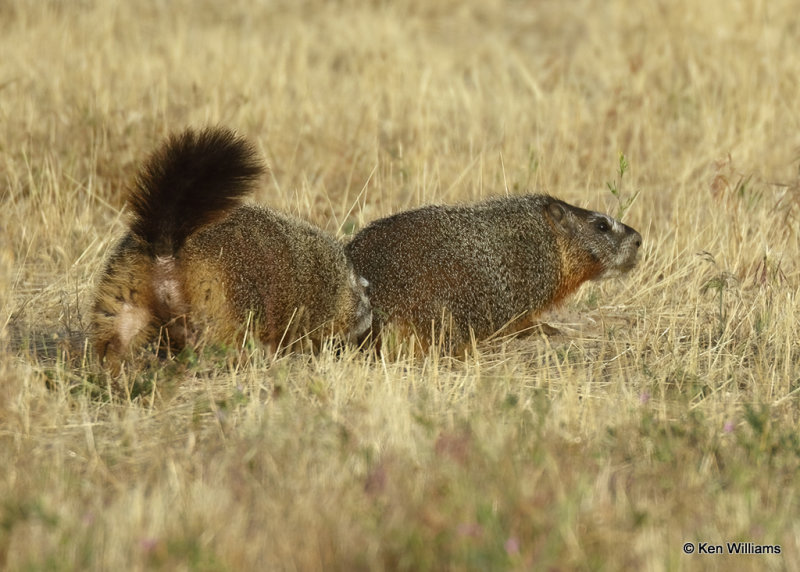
{"type": "Point", "coordinates": [485, 267]}
{"type": "Point", "coordinates": [197, 262]}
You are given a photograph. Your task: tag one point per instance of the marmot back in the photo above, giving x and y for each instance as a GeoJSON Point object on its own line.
{"type": "Point", "coordinates": [198, 263]}
{"type": "Point", "coordinates": [485, 267]}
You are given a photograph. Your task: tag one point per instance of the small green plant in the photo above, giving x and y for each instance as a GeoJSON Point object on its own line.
{"type": "Point", "coordinates": [616, 187]}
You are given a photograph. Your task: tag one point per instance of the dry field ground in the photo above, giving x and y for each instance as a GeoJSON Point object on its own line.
{"type": "Point", "coordinates": [661, 409]}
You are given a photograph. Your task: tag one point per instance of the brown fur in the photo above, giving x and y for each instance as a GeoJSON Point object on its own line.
{"type": "Point", "coordinates": [482, 268]}
{"type": "Point", "coordinates": [196, 262]}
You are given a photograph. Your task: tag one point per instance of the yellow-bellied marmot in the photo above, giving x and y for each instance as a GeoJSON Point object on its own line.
{"type": "Point", "coordinates": [196, 261]}
{"type": "Point", "coordinates": [482, 267]}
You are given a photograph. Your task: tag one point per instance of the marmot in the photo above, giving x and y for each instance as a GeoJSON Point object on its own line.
{"type": "Point", "coordinates": [196, 260]}
{"type": "Point", "coordinates": [484, 267]}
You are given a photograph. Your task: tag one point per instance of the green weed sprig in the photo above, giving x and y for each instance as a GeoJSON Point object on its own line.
{"type": "Point", "coordinates": [616, 187]}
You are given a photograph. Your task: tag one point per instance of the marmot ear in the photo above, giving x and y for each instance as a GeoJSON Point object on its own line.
{"type": "Point", "coordinates": [558, 214]}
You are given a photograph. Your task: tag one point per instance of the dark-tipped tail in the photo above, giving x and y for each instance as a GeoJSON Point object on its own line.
{"type": "Point", "coordinates": [195, 178]}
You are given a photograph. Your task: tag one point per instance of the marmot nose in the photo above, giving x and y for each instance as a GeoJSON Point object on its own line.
{"type": "Point", "coordinates": [637, 239]}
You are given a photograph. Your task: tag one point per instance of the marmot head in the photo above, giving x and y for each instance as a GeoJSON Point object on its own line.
{"type": "Point", "coordinates": [610, 246]}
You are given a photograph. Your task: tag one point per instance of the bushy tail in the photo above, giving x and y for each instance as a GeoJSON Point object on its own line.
{"type": "Point", "coordinates": [193, 179]}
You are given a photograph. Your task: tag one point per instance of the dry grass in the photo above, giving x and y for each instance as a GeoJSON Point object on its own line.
{"type": "Point", "coordinates": [665, 412]}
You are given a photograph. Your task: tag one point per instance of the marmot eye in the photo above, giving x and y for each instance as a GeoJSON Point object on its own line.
{"type": "Point", "coordinates": [603, 226]}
